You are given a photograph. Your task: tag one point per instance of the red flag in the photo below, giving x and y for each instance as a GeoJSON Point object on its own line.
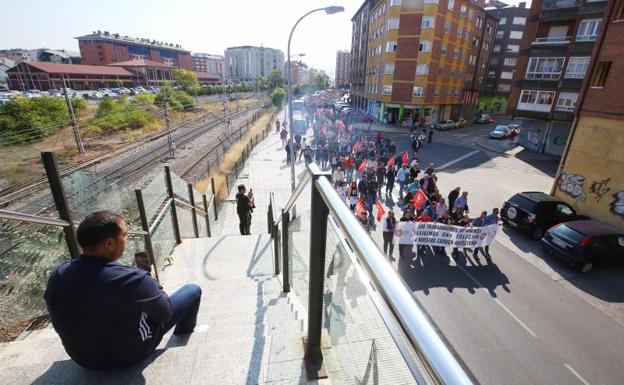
{"type": "Point", "coordinates": [350, 128]}
{"type": "Point", "coordinates": [419, 199]}
{"type": "Point", "coordinates": [362, 166]}
{"type": "Point", "coordinates": [359, 206]}
{"type": "Point", "coordinates": [380, 210]}
{"type": "Point", "coordinates": [391, 162]}
{"type": "Point", "coordinates": [356, 146]}
{"type": "Point", "coordinates": [405, 157]}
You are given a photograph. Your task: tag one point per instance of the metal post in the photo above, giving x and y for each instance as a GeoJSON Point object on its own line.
{"type": "Point", "coordinates": [145, 226]}
{"type": "Point", "coordinates": [285, 261]}
{"type": "Point", "coordinates": [318, 238]}
{"type": "Point", "coordinates": [227, 184]}
{"type": "Point", "coordinates": [70, 107]}
{"type": "Point", "coordinates": [276, 248]}
{"type": "Point", "coordinates": [60, 201]}
{"type": "Point", "coordinates": [270, 219]}
{"type": "Point", "coordinates": [214, 200]}
{"type": "Point", "coordinates": [174, 213]}
{"type": "Point", "coordinates": [193, 210]}
{"type": "Point", "coordinates": [207, 217]}
{"type": "Point", "coordinates": [236, 168]}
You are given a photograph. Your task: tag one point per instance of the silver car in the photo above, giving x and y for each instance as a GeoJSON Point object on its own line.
{"type": "Point", "coordinates": [500, 132]}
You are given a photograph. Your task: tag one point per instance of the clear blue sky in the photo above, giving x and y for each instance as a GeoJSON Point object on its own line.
{"type": "Point", "coordinates": [198, 25]}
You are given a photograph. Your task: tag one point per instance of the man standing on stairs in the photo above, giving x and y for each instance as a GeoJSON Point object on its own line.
{"type": "Point", "coordinates": [109, 315]}
{"type": "Point", "coordinates": [243, 209]}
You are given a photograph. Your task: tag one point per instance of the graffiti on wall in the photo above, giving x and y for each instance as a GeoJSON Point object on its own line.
{"type": "Point", "coordinates": [599, 188]}
{"type": "Point", "coordinates": [617, 206]}
{"type": "Point", "coordinates": [571, 184]}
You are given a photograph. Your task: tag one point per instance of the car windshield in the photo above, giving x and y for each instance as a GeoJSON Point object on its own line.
{"type": "Point", "coordinates": [523, 202]}
{"type": "Point", "coordinates": [501, 129]}
{"type": "Point", "coordinates": [567, 233]}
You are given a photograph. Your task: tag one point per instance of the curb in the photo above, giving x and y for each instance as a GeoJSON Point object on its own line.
{"type": "Point", "coordinates": [487, 148]}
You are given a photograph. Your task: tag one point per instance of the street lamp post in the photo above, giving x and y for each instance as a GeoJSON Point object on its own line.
{"type": "Point", "coordinates": [328, 10]}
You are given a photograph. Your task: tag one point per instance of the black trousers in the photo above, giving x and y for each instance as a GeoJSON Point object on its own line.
{"type": "Point", "coordinates": [388, 245]}
{"type": "Point", "coordinates": [244, 223]}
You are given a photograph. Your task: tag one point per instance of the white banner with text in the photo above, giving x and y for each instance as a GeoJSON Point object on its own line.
{"type": "Point", "coordinates": [439, 234]}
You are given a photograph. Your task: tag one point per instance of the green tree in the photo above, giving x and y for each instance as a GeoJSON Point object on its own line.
{"type": "Point", "coordinates": [262, 83]}
{"type": "Point", "coordinates": [177, 99]}
{"type": "Point", "coordinates": [186, 79]}
{"type": "Point", "coordinates": [276, 79]}
{"type": "Point", "coordinates": [321, 81]}
{"type": "Point", "coordinates": [277, 97]}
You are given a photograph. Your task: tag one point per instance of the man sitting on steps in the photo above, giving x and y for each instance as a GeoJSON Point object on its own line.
{"type": "Point", "coordinates": [109, 315]}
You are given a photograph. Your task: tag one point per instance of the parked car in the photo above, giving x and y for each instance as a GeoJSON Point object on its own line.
{"type": "Point", "coordinates": [535, 212]}
{"type": "Point", "coordinates": [584, 243]}
{"type": "Point", "coordinates": [483, 118]}
{"type": "Point", "coordinates": [444, 125]}
{"type": "Point", "coordinates": [500, 132]}
{"type": "Point", "coordinates": [300, 126]}
{"type": "Point", "coordinates": [461, 123]}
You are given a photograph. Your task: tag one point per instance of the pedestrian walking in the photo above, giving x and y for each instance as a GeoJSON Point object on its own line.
{"type": "Point", "coordinates": [452, 196]}
{"type": "Point", "coordinates": [303, 145]}
{"type": "Point", "coordinates": [430, 136]}
{"type": "Point", "coordinates": [389, 224]}
{"type": "Point", "coordinates": [277, 126]}
{"type": "Point", "coordinates": [390, 177]}
{"type": "Point", "coordinates": [365, 221]}
{"type": "Point", "coordinates": [402, 176]}
{"type": "Point", "coordinates": [287, 148]}
{"type": "Point", "coordinates": [462, 202]}
{"type": "Point", "coordinates": [491, 219]}
{"type": "Point", "coordinates": [283, 135]}
{"type": "Point", "coordinates": [481, 221]}
{"type": "Point", "coordinates": [353, 195]}
{"type": "Point", "coordinates": [244, 206]}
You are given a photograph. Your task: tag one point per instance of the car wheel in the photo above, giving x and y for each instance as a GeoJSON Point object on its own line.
{"type": "Point", "coordinates": [586, 267]}
{"type": "Point", "coordinates": [537, 233]}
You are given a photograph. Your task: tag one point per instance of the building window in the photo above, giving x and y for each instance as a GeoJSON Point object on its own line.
{"type": "Point", "coordinates": [507, 75]}
{"type": "Point", "coordinates": [503, 87]}
{"type": "Point", "coordinates": [588, 30]}
{"type": "Point", "coordinates": [459, 31]}
{"type": "Point", "coordinates": [496, 48]}
{"type": "Point", "coordinates": [462, 10]}
{"type": "Point", "coordinates": [389, 68]}
{"type": "Point", "coordinates": [486, 46]}
{"type": "Point", "coordinates": [494, 61]}
{"type": "Point", "coordinates": [393, 23]}
{"type": "Point", "coordinates": [515, 35]}
{"type": "Point", "coordinates": [545, 68]}
{"type": "Point", "coordinates": [471, 15]}
{"type": "Point", "coordinates": [422, 69]}
{"type": "Point", "coordinates": [447, 27]}
{"type": "Point", "coordinates": [510, 61]}
{"type": "Point", "coordinates": [502, 21]}
{"type": "Point", "coordinates": [492, 74]}
{"type": "Point", "coordinates": [449, 92]}
{"type": "Point", "coordinates": [443, 49]}
{"type": "Point", "coordinates": [418, 91]}
{"type": "Point", "coordinates": [488, 29]}
{"type": "Point", "coordinates": [479, 22]}
{"type": "Point", "coordinates": [618, 11]}
{"type": "Point", "coordinates": [577, 67]}
{"type": "Point", "coordinates": [395, 2]}
{"type": "Point", "coordinates": [436, 92]}
{"type": "Point", "coordinates": [451, 4]}
{"type": "Point", "coordinates": [566, 101]}
{"type": "Point", "coordinates": [440, 71]}
{"type": "Point", "coordinates": [600, 76]}
{"type": "Point", "coordinates": [519, 20]}
{"type": "Point", "coordinates": [387, 90]}
{"type": "Point", "coordinates": [513, 48]}
{"type": "Point", "coordinates": [500, 34]}
{"type": "Point", "coordinates": [391, 46]}
{"type": "Point", "coordinates": [424, 46]}
{"type": "Point", "coordinates": [534, 100]}
{"type": "Point", "coordinates": [427, 22]}
{"type": "Point", "coordinates": [475, 41]}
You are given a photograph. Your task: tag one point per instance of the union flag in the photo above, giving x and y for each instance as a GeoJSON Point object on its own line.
{"type": "Point", "coordinates": [359, 206]}
{"type": "Point", "coordinates": [362, 166]}
{"type": "Point", "coordinates": [419, 199]}
{"type": "Point", "coordinates": [391, 162]}
{"type": "Point", "coordinates": [357, 146]}
{"type": "Point", "coordinates": [405, 158]}
{"type": "Point", "coordinates": [380, 210]}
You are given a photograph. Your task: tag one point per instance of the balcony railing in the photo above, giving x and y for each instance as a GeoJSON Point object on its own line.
{"type": "Point", "coordinates": [560, 4]}
{"type": "Point", "coordinates": [552, 40]}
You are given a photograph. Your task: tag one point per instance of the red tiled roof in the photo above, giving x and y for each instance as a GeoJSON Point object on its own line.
{"type": "Point", "coordinates": [57, 68]}
{"type": "Point", "coordinates": [139, 63]}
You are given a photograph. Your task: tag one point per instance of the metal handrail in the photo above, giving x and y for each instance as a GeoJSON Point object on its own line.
{"type": "Point", "coordinates": [12, 215]}
{"type": "Point", "coordinates": [199, 211]}
{"type": "Point", "coordinates": [441, 364]}
{"type": "Point", "coordinates": [162, 212]}
{"type": "Point", "coordinates": [304, 182]}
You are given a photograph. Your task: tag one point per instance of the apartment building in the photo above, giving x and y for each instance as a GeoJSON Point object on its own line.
{"type": "Point", "coordinates": [423, 59]}
{"type": "Point", "coordinates": [512, 21]}
{"type": "Point", "coordinates": [554, 56]}
{"type": "Point", "coordinates": [102, 47]}
{"type": "Point", "coordinates": [590, 175]}
{"type": "Point", "coordinates": [359, 53]}
{"type": "Point", "coordinates": [208, 63]}
{"type": "Point", "coordinates": [248, 63]}
{"type": "Point", "coordinates": [343, 64]}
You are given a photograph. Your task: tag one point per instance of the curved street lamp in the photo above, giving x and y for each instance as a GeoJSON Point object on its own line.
{"type": "Point", "coordinates": [330, 11]}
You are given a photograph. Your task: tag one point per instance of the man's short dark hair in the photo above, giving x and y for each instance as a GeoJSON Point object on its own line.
{"type": "Point", "coordinates": [241, 187]}
{"type": "Point", "coordinates": [97, 227]}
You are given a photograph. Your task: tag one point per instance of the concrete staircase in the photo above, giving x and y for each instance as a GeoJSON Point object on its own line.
{"type": "Point", "coordinates": [246, 331]}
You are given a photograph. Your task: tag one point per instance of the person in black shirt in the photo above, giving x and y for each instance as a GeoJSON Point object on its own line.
{"type": "Point", "coordinates": [243, 209]}
{"type": "Point", "coordinates": [109, 315]}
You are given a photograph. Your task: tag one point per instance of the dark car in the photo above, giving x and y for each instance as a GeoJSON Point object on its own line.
{"type": "Point", "coordinates": [536, 212]}
{"type": "Point", "coordinates": [584, 243]}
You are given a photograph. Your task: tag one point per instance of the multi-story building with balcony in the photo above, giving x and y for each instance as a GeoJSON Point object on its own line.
{"type": "Point", "coordinates": [343, 64]}
{"type": "Point", "coordinates": [208, 63]}
{"type": "Point", "coordinates": [509, 30]}
{"type": "Point", "coordinates": [554, 56]}
{"type": "Point", "coordinates": [102, 48]}
{"type": "Point", "coordinates": [593, 160]}
{"type": "Point", "coordinates": [248, 63]}
{"type": "Point", "coordinates": [422, 60]}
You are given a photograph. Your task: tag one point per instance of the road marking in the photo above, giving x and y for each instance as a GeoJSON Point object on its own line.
{"type": "Point", "coordinates": [584, 381]}
{"type": "Point", "coordinates": [500, 304]}
{"type": "Point", "coordinates": [452, 162]}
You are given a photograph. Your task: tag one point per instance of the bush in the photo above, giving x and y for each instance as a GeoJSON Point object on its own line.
{"type": "Point", "coordinates": [178, 100]}
{"type": "Point", "coordinates": [26, 120]}
{"type": "Point", "coordinates": [277, 97]}
{"type": "Point", "coordinates": [113, 116]}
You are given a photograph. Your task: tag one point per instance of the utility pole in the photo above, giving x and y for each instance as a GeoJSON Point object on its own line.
{"type": "Point", "coordinates": [73, 119]}
{"type": "Point", "coordinates": [226, 107]}
{"type": "Point", "coordinates": [169, 139]}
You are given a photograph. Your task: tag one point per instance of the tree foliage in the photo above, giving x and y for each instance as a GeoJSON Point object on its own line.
{"type": "Point", "coordinates": [321, 81]}
{"type": "Point", "coordinates": [176, 99]}
{"type": "Point", "coordinates": [262, 83]}
{"type": "Point", "coordinates": [186, 79]}
{"type": "Point", "coordinates": [276, 79]}
{"type": "Point", "coordinates": [114, 115]}
{"type": "Point", "coordinates": [277, 97]}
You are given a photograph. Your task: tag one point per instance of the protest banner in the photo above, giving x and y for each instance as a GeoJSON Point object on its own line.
{"type": "Point", "coordinates": [439, 234]}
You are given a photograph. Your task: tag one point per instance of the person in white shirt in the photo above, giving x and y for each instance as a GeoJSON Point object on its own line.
{"type": "Point", "coordinates": [440, 208]}
{"type": "Point", "coordinates": [338, 176]}
{"type": "Point", "coordinates": [402, 176]}
{"type": "Point", "coordinates": [303, 144]}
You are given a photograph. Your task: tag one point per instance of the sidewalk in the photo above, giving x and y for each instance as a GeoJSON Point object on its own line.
{"type": "Point", "coordinates": [509, 149]}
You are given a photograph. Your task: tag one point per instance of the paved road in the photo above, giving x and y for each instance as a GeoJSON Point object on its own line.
{"type": "Point", "coordinates": [523, 317]}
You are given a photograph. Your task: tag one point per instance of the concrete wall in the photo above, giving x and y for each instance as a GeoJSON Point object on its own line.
{"type": "Point", "coordinates": [592, 178]}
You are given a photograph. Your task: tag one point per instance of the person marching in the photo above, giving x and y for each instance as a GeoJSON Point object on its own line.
{"type": "Point", "coordinates": [389, 224]}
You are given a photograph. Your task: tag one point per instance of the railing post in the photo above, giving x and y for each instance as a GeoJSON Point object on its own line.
{"type": "Point", "coordinates": [236, 169]}
{"type": "Point", "coordinates": [215, 199]}
{"type": "Point", "coordinates": [318, 237]}
{"type": "Point", "coordinates": [276, 248]}
{"type": "Point", "coordinates": [193, 210]}
{"type": "Point", "coordinates": [207, 217]}
{"type": "Point", "coordinates": [145, 226]}
{"type": "Point", "coordinates": [285, 262]}
{"type": "Point", "coordinates": [174, 213]}
{"type": "Point", "coordinates": [227, 184]}
{"type": "Point", "coordinates": [270, 217]}
{"type": "Point", "coordinates": [60, 201]}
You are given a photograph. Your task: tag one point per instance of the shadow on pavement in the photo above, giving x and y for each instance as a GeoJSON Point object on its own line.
{"type": "Point", "coordinates": [428, 270]}
{"type": "Point", "coordinates": [546, 164]}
